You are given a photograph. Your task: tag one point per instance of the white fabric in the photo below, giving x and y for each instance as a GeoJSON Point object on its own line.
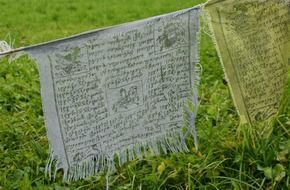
{"type": "Point", "coordinates": [121, 91]}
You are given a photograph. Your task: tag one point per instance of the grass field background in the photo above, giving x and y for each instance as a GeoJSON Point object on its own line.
{"type": "Point", "coordinates": [231, 156]}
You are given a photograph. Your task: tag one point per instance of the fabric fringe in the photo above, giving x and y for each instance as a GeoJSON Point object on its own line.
{"type": "Point", "coordinates": [174, 142]}
{"type": "Point", "coordinates": [196, 83]}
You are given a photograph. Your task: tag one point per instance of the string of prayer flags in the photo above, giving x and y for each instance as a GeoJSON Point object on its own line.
{"type": "Point", "coordinates": [253, 42]}
{"type": "Point", "coordinates": [129, 91]}
{"type": "Point", "coordinates": [119, 92]}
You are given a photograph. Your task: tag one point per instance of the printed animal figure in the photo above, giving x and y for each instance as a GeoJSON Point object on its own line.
{"type": "Point", "coordinates": [69, 62]}
{"type": "Point", "coordinates": [167, 40]}
{"type": "Point", "coordinates": [172, 35]}
{"type": "Point", "coordinates": [127, 98]}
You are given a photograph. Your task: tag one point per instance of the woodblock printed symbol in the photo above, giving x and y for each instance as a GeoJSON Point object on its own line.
{"type": "Point", "coordinates": [170, 34]}
{"type": "Point", "coordinates": [69, 63]}
{"type": "Point", "coordinates": [125, 98]}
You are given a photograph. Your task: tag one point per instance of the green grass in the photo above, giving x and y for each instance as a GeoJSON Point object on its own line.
{"type": "Point", "coordinates": [231, 156]}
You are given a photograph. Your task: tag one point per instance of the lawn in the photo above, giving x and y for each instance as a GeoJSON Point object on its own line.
{"type": "Point", "coordinates": [231, 156]}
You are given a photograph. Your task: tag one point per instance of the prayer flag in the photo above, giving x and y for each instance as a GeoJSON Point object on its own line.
{"type": "Point", "coordinates": [119, 92]}
{"type": "Point", "coordinates": [253, 42]}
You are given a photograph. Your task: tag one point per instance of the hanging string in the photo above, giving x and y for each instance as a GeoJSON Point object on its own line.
{"type": "Point", "coordinates": [7, 50]}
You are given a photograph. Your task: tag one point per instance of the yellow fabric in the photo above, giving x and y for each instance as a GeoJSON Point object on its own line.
{"type": "Point", "coordinates": [252, 37]}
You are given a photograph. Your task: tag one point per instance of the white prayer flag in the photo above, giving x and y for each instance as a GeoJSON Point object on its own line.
{"type": "Point", "coordinates": [119, 92]}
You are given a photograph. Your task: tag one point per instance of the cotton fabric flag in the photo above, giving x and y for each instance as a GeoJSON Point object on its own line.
{"type": "Point", "coordinates": [252, 37]}
{"type": "Point", "coordinates": [119, 92]}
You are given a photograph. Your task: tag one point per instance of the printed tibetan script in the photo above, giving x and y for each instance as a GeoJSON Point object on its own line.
{"type": "Point", "coordinates": [120, 91]}
{"type": "Point", "coordinates": [254, 44]}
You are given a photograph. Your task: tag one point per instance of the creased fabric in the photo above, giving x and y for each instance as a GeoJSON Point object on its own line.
{"type": "Point", "coordinates": [119, 93]}
{"type": "Point", "coordinates": [252, 38]}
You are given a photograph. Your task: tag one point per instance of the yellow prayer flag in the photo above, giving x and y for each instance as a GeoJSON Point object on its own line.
{"type": "Point", "coordinates": [252, 38]}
